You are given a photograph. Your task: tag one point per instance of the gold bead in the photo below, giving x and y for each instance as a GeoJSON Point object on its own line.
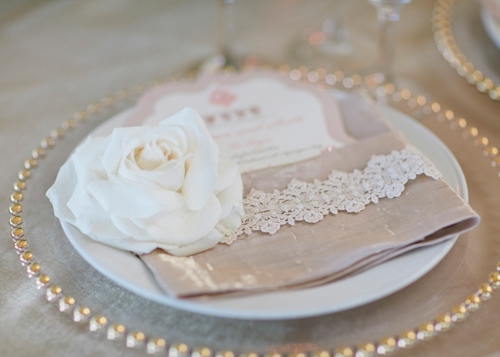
{"type": "Point", "coordinates": [42, 281]}
{"type": "Point", "coordinates": [69, 124]}
{"type": "Point", "coordinates": [426, 331]}
{"type": "Point", "coordinates": [80, 116]}
{"type": "Point", "coordinates": [295, 74]}
{"type": "Point", "coordinates": [81, 313]}
{"type": "Point", "coordinates": [21, 245]}
{"type": "Point", "coordinates": [33, 269]}
{"type": "Point", "coordinates": [491, 151]}
{"type": "Point", "coordinates": [115, 331]}
{"type": "Point", "coordinates": [53, 292]}
{"type": "Point", "coordinates": [343, 352]}
{"type": "Point", "coordinates": [26, 257]}
{"type": "Point", "coordinates": [421, 100]}
{"type": "Point", "coordinates": [38, 153]}
{"type": "Point", "coordinates": [66, 303]}
{"type": "Point", "coordinates": [56, 133]}
{"type": "Point", "coordinates": [482, 141]}
{"type": "Point", "coordinates": [449, 115]}
{"type": "Point", "coordinates": [97, 322]}
{"type": "Point", "coordinates": [298, 354]}
{"type": "Point", "coordinates": [495, 279]}
{"type": "Point", "coordinates": [15, 209]}
{"type": "Point", "coordinates": [135, 339]}
{"type": "Point", "coordinates": [407, 339]}
{"type": "Point", "coordinates": [202, 352]}
{"type": "Point", "coordinates": [225, 353]}
{"type": "Point", "coordinates": [478, 76]}
{"type": "Point", "coordinates": [17, 197]}
{"type": "Point", "coordinates": [436, 108]}
{"type": "Point", "coordinates": [462, 123]}
{"type": "Point", "coordinates": [339, 76]}
{"type": "Point", "coordinates": [24, 174]}
{"type": "Point", "coordinates": [253, 354]}
{"type": "Point", "coordinates": [283, 69]}
{"type": "Point", "coordinates": [121, 95]}
{"type": "Point", "coordinates": [178, 350]}
{"type": "Point", "coordinates": [348, 82]}
{"type": "Point", "coordinates": [366, 350]}
{"type": "Point", "coordinates": [387, 345]}
{"type": "Point", "coordinates": [15, 221]}
{"type": "Point", "coordinates": [54, 289]}
{"type": "Point", "coordinates": [495, 162]}
{"type": "Point", "coordinates": [20, 186]}
{"type": "Point", "coordinates": [330, 79]}
{"type": "Point", "coordinates": [47, 143]}
{"type": "Point", "coordinates": [17, 233]}
{"type": "Point", "coordinates": [157, 345]}
{"type": "Point", "coordinates": [93, 108]}
{"type": "Point", "coordinates": [443, 322]}
{"type": "Point", "coordinates": [472, 303]}
{"type": "Point", "coordinates": [106, 101]}
{"type": "Point", "coordinates": [30, 164]}
{"type": "Point", "coordinates": [459, 313]}
{"type": "Point", "coordinates": [138, 89]}
{"type": "Point", "coordinates": [473, 132]}
{"type": "Point", "coordinates": [484, 292]}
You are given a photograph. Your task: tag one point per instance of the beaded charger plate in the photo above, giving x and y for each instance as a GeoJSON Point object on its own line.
{"type": "Point", "coordinates": [431, 305]}
{"type": "Point", "coordinates": [127, 270]}
{"type": "Point", "coordinates": [468, 46]}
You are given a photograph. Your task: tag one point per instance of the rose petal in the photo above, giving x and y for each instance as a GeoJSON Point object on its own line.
{"type": "Point", "coordinates": [184, 226]}
{"type": "Point", "coordinates": [205, 243]}
{"type": "Point", "coordinates": [202, 172]}
{"type": "Point", "coordinates": [119, 140]}
{"type": "Point", "coordinates": [130, 199]}
{"type": "Point", "coordinates": [169, 176]}
{"type": "Point", "coordinates": [232, 197]}
{"type": "Point", "coordinates": [230, 224]}
{"type": "Point", "coordinates": [157, 147]}
{"type": "Point", "coordinates": [85, 160]}
{"type": "Point", "coordinates": [150, 157]}
{"type": "Point", "coordinates": [226, 173]}
{"type": "Point", "coordinates": [132, 245]}
{"type": "Point", "coordinates": [62, 190]}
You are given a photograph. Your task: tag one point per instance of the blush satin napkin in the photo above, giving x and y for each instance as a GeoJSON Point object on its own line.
{"type": "Point", "coordinates": [304, 254]}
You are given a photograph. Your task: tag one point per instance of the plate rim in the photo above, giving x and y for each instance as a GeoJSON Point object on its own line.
{"type": "Point", "coordinates": [490, 24]}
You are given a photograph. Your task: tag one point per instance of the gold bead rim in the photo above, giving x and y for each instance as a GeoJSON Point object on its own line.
{"type": "Point", "coordinates": [320, 77]}
{"type": "Point", "coordinates": [447, 46]}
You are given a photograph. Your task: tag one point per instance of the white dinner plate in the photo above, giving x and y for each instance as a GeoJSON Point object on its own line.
{"type": "Point", "coordinates": [491, 25]}
{"type": "Point", "coordinates": [127, 270]}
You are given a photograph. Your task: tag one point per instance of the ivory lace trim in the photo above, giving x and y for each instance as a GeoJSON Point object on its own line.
{"type": "Point", "coordinates": [383, 176]}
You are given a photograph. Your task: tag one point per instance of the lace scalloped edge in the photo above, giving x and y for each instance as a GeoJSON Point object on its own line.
{"type": "Point", "coordinates": [384, 176]}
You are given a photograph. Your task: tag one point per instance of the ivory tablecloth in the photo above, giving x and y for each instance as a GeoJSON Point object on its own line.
{"type": "Point", "coordinates": [58, 56]}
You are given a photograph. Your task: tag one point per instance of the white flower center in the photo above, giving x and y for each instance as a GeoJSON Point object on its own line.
{"type": "Point", "coordinates": [156, 152]}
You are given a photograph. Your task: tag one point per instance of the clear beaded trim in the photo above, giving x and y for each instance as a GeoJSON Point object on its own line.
{"type": "Point", "coordinates": [155, 345]}
{"type": "Point", "coordinates": [384, 176]}
{"type": "Point", "coordinates": [448, 47]}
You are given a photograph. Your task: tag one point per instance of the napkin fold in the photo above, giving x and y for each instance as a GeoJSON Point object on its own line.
{"type": "Point", "coordinates": [304, 255]}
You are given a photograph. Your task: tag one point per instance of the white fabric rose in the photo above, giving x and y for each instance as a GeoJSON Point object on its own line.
{"type": "Point", "coordinates": [151, 186]}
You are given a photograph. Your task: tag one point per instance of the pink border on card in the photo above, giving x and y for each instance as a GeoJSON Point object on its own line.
{"type": "Point", "coordinates": [145, 105]}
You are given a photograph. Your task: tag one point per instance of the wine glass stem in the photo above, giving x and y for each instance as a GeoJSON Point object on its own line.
{"type": "Point", "coordinates": [225, 28]}
{"type": "Point", "coordinates": [388, 16]}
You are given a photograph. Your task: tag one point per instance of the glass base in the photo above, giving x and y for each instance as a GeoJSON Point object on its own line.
{"type": "Point", "coordinates": [317, 49]}
{"type": "Point", "coordinates": [214, 63]}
